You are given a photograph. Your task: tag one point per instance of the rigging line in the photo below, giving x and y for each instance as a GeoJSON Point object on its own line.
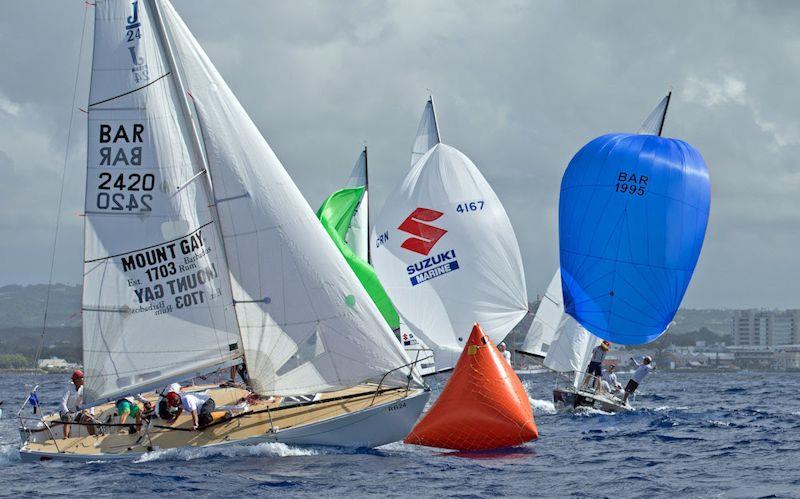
{"type": "Point", "coordinates": [148, 247]}
{"type": "Point", "coordinates": [131, 91]}
{"type": "Point", "coordinates": [61, 189]}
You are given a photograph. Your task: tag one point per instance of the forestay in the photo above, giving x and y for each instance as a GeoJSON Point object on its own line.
{"type": "Point", "coordinates": [156, 301]}
{"type": "Point", "coordinates": [446, 252]}
{"type": "Point", "coordinates": [427, 132]}
{"type": "Point", "coordinates": [357, 237]}
{"type": "Point", "coordinates": [307, 324]}
{"type": "Point", "coordinates": [632, 217]}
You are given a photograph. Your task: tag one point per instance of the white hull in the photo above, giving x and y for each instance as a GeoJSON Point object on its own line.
{"type": "Point", "coordinates": [570, 398]}
{"type": "Point", "coordinates": [370, 427]}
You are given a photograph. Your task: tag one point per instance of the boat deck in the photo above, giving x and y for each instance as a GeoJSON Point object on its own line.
{"type": "Point", "coordinates": [262, 418]}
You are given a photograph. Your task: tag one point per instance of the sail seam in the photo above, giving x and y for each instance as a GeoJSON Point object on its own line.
{"type": "Point", "coordinates": [148, 247]}
{"type": "Point", "coordinates": [131, 91]}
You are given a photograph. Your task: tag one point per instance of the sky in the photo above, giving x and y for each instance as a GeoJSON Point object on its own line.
{"type": "Point", "coordinates": [520, 86]}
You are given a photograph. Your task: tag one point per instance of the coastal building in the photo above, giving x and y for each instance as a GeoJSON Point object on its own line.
{"type": "Point", "coordinates": [762, 328]}
{"type": "Point", "coordinates": [54, 364]}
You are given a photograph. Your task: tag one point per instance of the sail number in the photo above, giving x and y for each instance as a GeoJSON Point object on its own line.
{"type": "Point", "coordinates": [630, 183]}
{"type": "Point", "coordinates": [470, 206]}
{"type": "Point", "coordinates": [125, 201]}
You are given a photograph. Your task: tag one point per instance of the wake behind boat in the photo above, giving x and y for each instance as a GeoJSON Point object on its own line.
{"type": "Point", "coordinates": [201, 254]}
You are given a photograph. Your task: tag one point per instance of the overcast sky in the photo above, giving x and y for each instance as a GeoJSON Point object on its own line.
{"type": "Point", "coordinates": [519, 86]}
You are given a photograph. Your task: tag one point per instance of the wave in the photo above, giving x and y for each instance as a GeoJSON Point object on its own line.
{"type": "Point", "coordinates": [270, 449]}
{"type": "Point", "coordinates": [542, 406]}
{"type": "Point", "coordinates": [591, 411]}
{"type": "Point", "coordinates": [9, 454]}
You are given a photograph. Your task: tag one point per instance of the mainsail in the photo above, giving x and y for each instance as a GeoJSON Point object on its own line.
{"type": "Point", "coordinates": [357, 236]}
{"type": "Point", "coordinates": [156, 297]}
{"type": "Point", "coordinates": [427, 132]}
{"type": "Point", "coordinates": [445, 250]}
{"type": "Point", "coordinates": [654, 123]}
{"type": "Point", "coordinates": [555, 337]}
{"type": "Point", "coordinates": [307, 323]}
{"type": "Point", "coordinates": [545, 322]}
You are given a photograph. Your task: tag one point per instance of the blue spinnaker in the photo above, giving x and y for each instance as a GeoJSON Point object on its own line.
{"type": "Point", "coordinates": [632, 217]}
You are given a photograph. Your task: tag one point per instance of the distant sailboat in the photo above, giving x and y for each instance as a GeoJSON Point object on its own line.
{"type": "Point", "coordinates": [201, 253]}
{"type": "Point", "coordinates": [445, 250]}
{"type": "Point", "coordinates": [344, 215]}
{"type": "Point", "coordinates": [633, 213]}
{"type": "Point", "coordinates": [557, 339]}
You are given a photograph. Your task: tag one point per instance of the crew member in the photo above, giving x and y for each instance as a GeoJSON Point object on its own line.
{"type": "Point", "coordinates": [71, 403]}
{"type": "Point", "coordinates": [129, 406]}
{"type": "Point", "coordinates": [610, 383]}
{"type": "Point", "coordinates": [642, 370]}
{"type": "Point", "coordinates": [505, 352]}
{"type": "Point", "coordinates": [595, 369]}
{"type": "Point", "coordinates": [199, 405]}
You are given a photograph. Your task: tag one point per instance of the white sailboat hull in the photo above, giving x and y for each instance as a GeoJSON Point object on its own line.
{"type": "Point", "coordinates": [368, 428]}
{"type": "Point", "coordinates": [364, 425]}
{"type": "Point", "coordinates": [571, 398]}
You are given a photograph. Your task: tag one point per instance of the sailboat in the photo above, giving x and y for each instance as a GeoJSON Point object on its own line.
{"type": "Point", "coordinates": [200, 254]}
{"type": "Point", "coordinates": [345, 216]}
{"type": "Point", "coordinates": [559, 342]}
{"type": "Point", "coordinates": [444, 248]}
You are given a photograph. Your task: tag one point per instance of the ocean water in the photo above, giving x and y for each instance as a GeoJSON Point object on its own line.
{"type": "Point", "coordinates": [730, 435]}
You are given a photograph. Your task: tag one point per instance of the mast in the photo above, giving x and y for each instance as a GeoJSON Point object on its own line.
{"type": "Point", "coordinates": [198, 151]}
{"type": "Point", "coordinates": [366, 194]}
{"type": "Point", "coordinates": [664, 116]}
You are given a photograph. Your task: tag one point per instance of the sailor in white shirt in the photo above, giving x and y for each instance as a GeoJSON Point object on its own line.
{"type": "Point", "coordinates": [505, 352]}
{"type": "Point", "coordinates": [71, 402]}
{"type": "Point", "coordinates": [642, 370]}
{"type": "Point", "coordinates": [199, 405]}
{"type": "Point", "coordinates": [610, 383]}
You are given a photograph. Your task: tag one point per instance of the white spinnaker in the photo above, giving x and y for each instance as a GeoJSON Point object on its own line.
{"type": "Point", "coordinates": [156, 299]}
{"type": "Point", "coordinates": [427, 132]}
{"type": "Point", "coordinates": [654, 122]}
{"type": "Point", "coordinates": [357, 236]}
{"type": "Point", "coordinates": [307, 323]}
{"type": "Point", "coordinates": [488, 286]}
{"type": "Point", "coordinates": [545, 323]}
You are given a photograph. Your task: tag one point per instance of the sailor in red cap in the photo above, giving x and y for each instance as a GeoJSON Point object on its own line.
{"type": "Point", "coordinates": [70, 410]}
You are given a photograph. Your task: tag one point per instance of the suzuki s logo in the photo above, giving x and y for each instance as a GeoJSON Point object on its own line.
{"type": "Point", "coordinates": [427, 235]}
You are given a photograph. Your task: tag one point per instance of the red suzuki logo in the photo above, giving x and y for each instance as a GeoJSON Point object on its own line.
{"type": "Point", "coordinates": [427, 235]}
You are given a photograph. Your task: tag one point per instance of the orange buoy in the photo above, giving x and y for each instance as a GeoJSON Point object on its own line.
{"type": "Point", "coordinates": [483, 406]}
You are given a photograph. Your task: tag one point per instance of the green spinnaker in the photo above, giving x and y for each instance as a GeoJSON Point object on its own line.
{"type": "Point", "coordinates": [336, 214]}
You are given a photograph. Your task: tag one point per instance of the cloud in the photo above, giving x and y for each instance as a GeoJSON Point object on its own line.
{"type": "Point", "coordinates": [715, 93]}
{"type": "Point", "coordinates": [519, 86]}
{"type": "Point", "coordinates": [9, 107]}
